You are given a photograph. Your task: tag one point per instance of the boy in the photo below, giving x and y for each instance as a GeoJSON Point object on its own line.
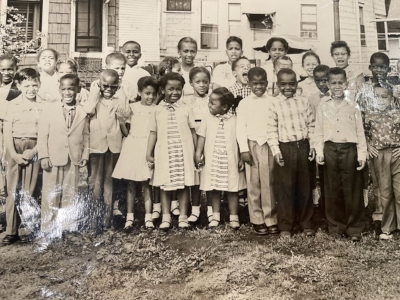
{"type": "Point", "coordinates": [382, 132]}
{"type": "Point", "coordinates": [251, 135]}
{"type": "Point", "coordinates": [290, 129]}
{"type": "Point", "coordinates": [281, 62]}
{"type": "Point", "coordinates": [63, 150]}
{"type": "Point", "coordinates": [133, 52]}
{"type": "Point", "coordinates": [8, 69]}
{"type": "Point", "coordinates": [366, 99]}
{"type": "Point", "coordinates": [105, 144]}
{"type": "Point", "coordinates": [320, 74]}
{"type": "Point", "coordinates": [341, 147]}
{"type": "Point", "coordinates": [240, 70]}
{"type": "Point", "coordinates": [128, 92]}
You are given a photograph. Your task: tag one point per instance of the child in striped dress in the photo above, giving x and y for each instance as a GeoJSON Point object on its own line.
{"type": "Point", "coordinates": [222, 166]}
{"type": "Point", "coordinates": [170, 149]}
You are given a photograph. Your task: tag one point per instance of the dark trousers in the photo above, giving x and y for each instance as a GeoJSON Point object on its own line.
{"type": "Point", "coordinates": [292, 186]}
{"type": "Point", "coordinates": [344, 205]}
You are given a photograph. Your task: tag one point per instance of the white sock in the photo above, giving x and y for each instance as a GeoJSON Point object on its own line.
{"type": "Point", "coordinates": [365, 194]}
{"type": "Point", "coordinates": [129, 217]}
{"type": "Point", "coordinates": [234, 218]}
{"type": "Point", "coordinates": [174, 204]}
{"type": "Point", "coordinates": [147, 217]}
{"type": "Point", "coordinates": [209, 211]}
{"type": "Point", "coordinates": [157, 207]}
{"type": "Point", "coordinates": [216, 216]}
{"type": "Point", "coordinates": [196, 210]}
{"type": "Point", "coordinates": [183, 218]}
{"type": "Point", "coordinates": [315, 196]}
{"type": "Point", "coordinates": [115, 205]}
{"type": "Point", "coordinates": [166, 217]}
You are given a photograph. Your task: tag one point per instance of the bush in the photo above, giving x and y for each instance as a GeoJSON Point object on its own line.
{"type": "Point", "coordinates": [13, 36]}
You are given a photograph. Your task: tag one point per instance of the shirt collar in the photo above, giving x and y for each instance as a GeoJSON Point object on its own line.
{"type": "Point", "coordinates": [7, 86]}
{"type": "Point", "coordinates": [254, 96]}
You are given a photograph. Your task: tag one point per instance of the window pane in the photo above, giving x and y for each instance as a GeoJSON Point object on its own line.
{"type": "Point", "coordinates": [179, 5]}
{"type": "Point", "coordinates": [310, 27]}
{"type": "Point", "coordinates": [309, 9]}
{"type": "Point", "coordinates": [234, 12]}
{"type": "Point", "coordinates": [309, 18]}
{"type": "Point", "coordinates": [209, 37]}
{"type": "Point", "coordinates": [89, 26]}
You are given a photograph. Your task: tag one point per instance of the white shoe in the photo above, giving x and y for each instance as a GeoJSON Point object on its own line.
{"type": "Point", "coordinates": [385, 236]}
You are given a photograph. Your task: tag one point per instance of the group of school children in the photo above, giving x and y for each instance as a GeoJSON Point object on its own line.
{"type": "Point", "coordinates": [255, 131]}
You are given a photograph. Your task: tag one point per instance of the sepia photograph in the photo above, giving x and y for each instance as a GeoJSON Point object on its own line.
{"type": "Point", "coordinates": [200, 149]}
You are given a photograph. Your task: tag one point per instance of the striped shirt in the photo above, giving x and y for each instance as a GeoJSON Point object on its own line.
{"type": "Point", "coordinates": [289, 120]}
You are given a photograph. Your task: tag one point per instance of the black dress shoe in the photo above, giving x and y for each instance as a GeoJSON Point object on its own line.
{"type": "Point", "coordinates": [9, 239]}
{"type": "Point", "coordinates": [26, 238]}
{"type": "Point", "coordinates": [273, 229]}
{"type": "Point", "coordinates": [260, 229]}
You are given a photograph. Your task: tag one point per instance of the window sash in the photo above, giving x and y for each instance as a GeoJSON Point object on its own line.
{"type": "Point", "coordinates": [32, 13]}
{"type": "Point", "coordinates": [209, 36]}
{"type": "Point", "coordinates": [88, 36]}
{"type": "Point", "coordinates": [179, 5]}
{"type": "Point", "coordinates": [308, 23]}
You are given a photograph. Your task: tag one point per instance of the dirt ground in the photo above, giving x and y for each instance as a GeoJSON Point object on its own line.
{"type": "Point", "coordinates": [201, 264]}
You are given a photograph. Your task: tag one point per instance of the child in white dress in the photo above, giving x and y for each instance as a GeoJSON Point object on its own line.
{"type": "Point", "coordinates": [132, 164]}
{"type": "Point", "coordinates": [48, 76]}
{"type": "Point", "coordinates": [200, 79]}
{"type": "Point", "coordinates": [171, 149]}
{"type": "Point", "coordinates": [223, 167]}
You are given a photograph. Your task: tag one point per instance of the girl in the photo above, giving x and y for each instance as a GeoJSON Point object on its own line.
{"type": "Point", "coordinates": [276, 47]}
{"type": "Point", "coordinates": [187, 50]}
{"type": "Point", "coordinates": [134, 167]}
{"type": "Point", "coordinates": [171, 149]}
{"type": "Point", "coordinates": [198, 103]}
{"type": "Point", "coordinates": [169, 64]}
{"type": "Point", "coordinates": [22, 168]}
{"type": "Point", "coordinates": [223, 166]}
{"type": "Point", "coordinates": [222, 74]}
{"type": "Point", "coordinates": [70, 66]}
{"type": "Point", "coordinates": [49, 79]}
{"type": "Point", "coordinates": [309, 61]}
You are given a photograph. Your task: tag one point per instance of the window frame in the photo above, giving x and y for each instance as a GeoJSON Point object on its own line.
{"type": "Point", "coordinates": [307, 31]}
{"type": "Point", "coordinates": [101, 44]}
{"type": "Point", "coordinates": [363, 37]}
{"type": "Point", "coordinates": [168, 8]}
{"type": "Point", "coordinates": [37, 16]}
{"type": "Point", "coordinates": [212, 26]}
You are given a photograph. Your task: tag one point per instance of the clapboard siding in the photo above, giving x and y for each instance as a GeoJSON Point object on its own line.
{"type": "Point", "coordinates": [139, 21]}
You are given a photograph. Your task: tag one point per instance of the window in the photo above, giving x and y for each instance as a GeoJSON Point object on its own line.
{"type": "Point", "coordinates": [380, 28]}
{"type": "Point", "coordinates": [234, 18]}
{"type": "Point", "coordinates": [308, 25]}
{"type": "Point", "coordinates": [209, 24]}
{"type": "Point", "coordinates": [179, 5]}
{"type": "Point", "coordinates": [88, 26]}
{"type": "Point", "coordinates": [362, 26]}
{"type": "Point", "coordinates": [31, 10]}
{"type": "Point", "coordinates": [262, 21]}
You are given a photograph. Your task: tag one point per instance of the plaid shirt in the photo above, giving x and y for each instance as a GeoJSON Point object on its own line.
{"type": "Point", "coordinates": [289, 120]}
{"type": "Point", "coordinates": [238, 90]}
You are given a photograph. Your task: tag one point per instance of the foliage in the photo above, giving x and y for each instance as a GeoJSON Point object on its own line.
{"type": "Point", "coordinates": [12, 35]}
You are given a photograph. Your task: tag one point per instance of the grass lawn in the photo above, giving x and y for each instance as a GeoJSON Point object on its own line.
{"type": "Point", "coordinates": [202, 264]}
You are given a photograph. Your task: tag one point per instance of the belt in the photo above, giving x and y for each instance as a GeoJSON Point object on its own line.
{"type": "Point", "coordinates": [25, 138]}
{"type": "Point", "coordinates": [341, 144]}
{"type": "Point", "coordinates": [298, 143]}
{"type": "Point", "coordinates": [197, 120]}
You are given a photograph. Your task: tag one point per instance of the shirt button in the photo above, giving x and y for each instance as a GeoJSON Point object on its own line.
{"type": "Point", "coordinates": [338, 131]}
